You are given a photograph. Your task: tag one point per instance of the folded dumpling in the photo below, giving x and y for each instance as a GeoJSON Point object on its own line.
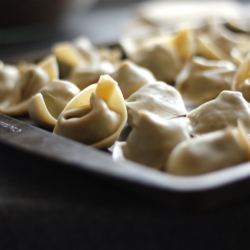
{"type": "Point", "coordinates": [208, 48]}
{"type": "Point", "coordinates": [82, 53]}
{"type": "Point", "coordinates": [130, 77]}
{"type": "Point", "coordinates": [239, 53]}
{"type": "Point", "coordinates": [152, 139]}
{"type": "Point", "coordinates": [49, 64]}
{"type": "Point", "coordinates": [95, 116]}
{"type": "Point", "coordinates": [9, 75]}
{"type": "Point", "coordinates": [210, 152]}
{"type": "Point", "coordinates": [219, 113]}
{"type": "Point", "coordinates": [163, 61]}
{"type": "Point", "coordinates": [159, 98]}
{"type": "Point", "coordinates": [83, 76]}
{"type": "Point", "coordinates": [23, 81]}
{"type": "Point", "coordinates": [87, 50]}
{"type": "Point", "coordinates": [95, 55]}
{"type": "Point", "coordinates": [241, 81]}
{"type": "Point", "coordinates": [202, 80]}
{"type": "Point", "coordinates": [95, 62]}
{"type": "Point", "coordinates": [30, 82]}
{"type": "Point", "coordinates": [47, 105]}
{"type": "Point", "coordinates": [238, 24]}
{"type": "Point", "coordinates": [163, 55]}
{"type": "Point", "coordinates": [67, 57]}
{"type": "Point", "coordinates": [218, 42]}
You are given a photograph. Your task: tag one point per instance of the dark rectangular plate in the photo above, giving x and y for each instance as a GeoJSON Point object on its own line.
{"type": "Point", "coordinates": [185, 193]}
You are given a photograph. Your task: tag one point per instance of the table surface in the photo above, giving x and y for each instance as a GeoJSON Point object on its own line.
{"type": "Point", "coordinates": [53, 207]}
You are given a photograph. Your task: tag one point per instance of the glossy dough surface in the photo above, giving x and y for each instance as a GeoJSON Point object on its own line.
{"type": "Point", "coordinates": [8, 77]}
{"type": "Point", "coordinates": [202, 80]}
{"type": "Point", "coordinates": [131, 77]}
{"type": "Point", "coordinates": [209, 152]}
{"type": "Point", "coordinates": [47, 105]}
{"type": "Point", "coordinates": [152, 139]}
{"type": "Point", "coordinates": [29, 83]}
{"type": "Point", "coordinates": [83, 76]}
{"type": "Point", "coordinates": [242, 78]}
{"type": "Point", "coordinates": [95, 116]}
{"type": "Point", "coordinates": [158, 98]}
{"type": "Point", "coordinates": [163, 55]}
{"type": "Point", "coordinates": [225, 110]}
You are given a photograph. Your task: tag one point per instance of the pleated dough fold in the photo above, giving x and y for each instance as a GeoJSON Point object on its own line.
{"type": "Point", "coordinates": [95, 116]}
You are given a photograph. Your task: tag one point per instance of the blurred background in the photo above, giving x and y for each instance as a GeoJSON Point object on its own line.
{"type": "Point", "coordinates": [29, 25]}
{"type": "Point", "coordinates": [33, 25]}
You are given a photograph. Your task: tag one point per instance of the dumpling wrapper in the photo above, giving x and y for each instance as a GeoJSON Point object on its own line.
{"type": "Point", "coordinates": [87, 50]}
{"type": "Point", "coordinates": [218, 42]}
{"type": "Point", "coordinates": [94, 55]}
{"type": "Point", "coordinates": [83, 76]}
{"type": "Point", "coordinates": [210, 152]}
{"type": "Point", "coordinates": [30, 83]}
{"type": "Point", "coordinates": [47, 105]}
{"type": "Point", "coordinates": [209, 49]}
{"type": "Point", "coordinates": [67, 57]}
{"type": "Point", "coordinates": [239, 53]}
{"type": "Point", "coordinates": [158, 98]}
{"type": "Point", "coordinates": [163, 61]}
{"type": "Point", "coordinates": [238, 23]}
{"type": "Point", "coordinates": [96, 111]}
{"type": "Point", "coordinates": [164, 55]}
{"type": "Point", "coordinates": [49, 64]}
{"type": "Point", "coordinates": [131, 77]}
{"type": "Point", "coordinates": [220, 113]}
{"type": "Point", "coordinates": [8, 77]}
{"type": "Point", "coordinates": [112, 55]}
{"type": "Point", "coordinates": [152, 139]}
{"type": "Point", "coordinates": [242, 77]}
{"type": "Point", "coordinates": [202, 80]}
